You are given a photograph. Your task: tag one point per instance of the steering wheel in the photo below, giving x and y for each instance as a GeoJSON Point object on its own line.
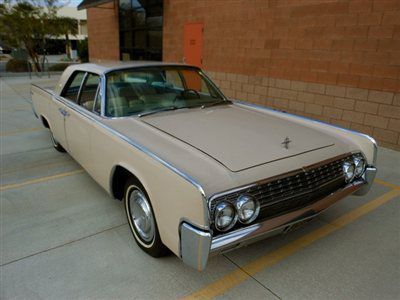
{"type": "Point", "coordinates": [186, 92]}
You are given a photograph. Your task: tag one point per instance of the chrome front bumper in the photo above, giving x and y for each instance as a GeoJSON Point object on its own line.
{"type": "Point", "coordinates": [197, 245]}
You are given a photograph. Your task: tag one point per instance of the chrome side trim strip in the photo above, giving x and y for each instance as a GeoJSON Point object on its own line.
{"type": "Point", "coordinates": [243, 103]}
{"type": "Point", "coordinates": [93, 117]}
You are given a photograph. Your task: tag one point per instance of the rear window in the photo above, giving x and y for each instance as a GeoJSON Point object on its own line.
{"type": "Point", "coordinates": [71, 90]}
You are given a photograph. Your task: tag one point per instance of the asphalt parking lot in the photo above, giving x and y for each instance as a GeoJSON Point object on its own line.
{"type": "Point", "coordinates": [63, 237]}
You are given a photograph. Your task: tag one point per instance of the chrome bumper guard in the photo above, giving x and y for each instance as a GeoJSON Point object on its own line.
{"type": "Point", "coordinates": [197, 245]}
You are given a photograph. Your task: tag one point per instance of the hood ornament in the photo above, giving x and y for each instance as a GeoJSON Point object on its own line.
{"type": "Point", "coordinates": [286, 142]}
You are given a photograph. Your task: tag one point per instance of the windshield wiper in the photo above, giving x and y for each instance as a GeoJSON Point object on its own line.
{"type": "Point", "coordinates": [222, 101]}
{"type": "Point", "coordinates": [151, 112]}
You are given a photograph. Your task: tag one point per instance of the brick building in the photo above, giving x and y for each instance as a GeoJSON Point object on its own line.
{"type": "Point", "coordinates": [333, 60]}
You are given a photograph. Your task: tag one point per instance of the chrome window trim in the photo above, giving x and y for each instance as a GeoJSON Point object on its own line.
{"type": "Point", "coordinates": [96, 99]}
{"type": "Point", "coordinates": [78, 99]}
{"type": "Point", "coordinates": [93, 117]}
{"type": "Point", "coordinates": [104, 85]}
{"type": "Point", "coordinates": [95, 96]}
{"type": "Point", "coordinates": [213, 84]}
{"type": "Point", "coordinates": [68, 84]}
{"type": "Point", "coordinates": [103, 95]}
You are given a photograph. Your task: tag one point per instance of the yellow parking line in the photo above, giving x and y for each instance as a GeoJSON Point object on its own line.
{"type": "Point", "coordinates": [387, 184]}
{"type": "Point", "coordinates": [13, 132]}
{"type": "Point", "coordinates": [37, 166]}
{"type": "Point", "coordinates": [38, 180]}
{"type": "Point", "coordinates": [240, 275]}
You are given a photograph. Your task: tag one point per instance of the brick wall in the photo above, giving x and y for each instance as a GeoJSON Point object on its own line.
{"type": "Point", "coordinates": [336, 61]}
{"type": "Point", "coordinates": [103, 32]}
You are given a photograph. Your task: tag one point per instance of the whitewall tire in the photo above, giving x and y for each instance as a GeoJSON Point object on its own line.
{"type": "Point", "coordinates": [141, 219]}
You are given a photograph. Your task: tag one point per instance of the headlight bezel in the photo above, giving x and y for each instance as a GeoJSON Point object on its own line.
{"type": "Point", "coordinates": [348, 164]}
{"type": "Point", "coordinates": [355, 159]}
{"type": "Point", "coordinates": [353, 163]}
{"type": "Point", "coordinates": [220, 207]}
{"type": "Point", "coordinates": [358, 159]}
{"type": "Point", "coordinates": [239, 204]}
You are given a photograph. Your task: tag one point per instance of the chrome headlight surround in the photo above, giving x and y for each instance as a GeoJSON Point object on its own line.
{"type": "Point", "coordinates": [225, 210]}
{"type": "Point", "coordinates": [359, 166]}
{"type": "Point", "coordinates": [348, 170]}
{"type": "Point", "coordinates": [243, 205]}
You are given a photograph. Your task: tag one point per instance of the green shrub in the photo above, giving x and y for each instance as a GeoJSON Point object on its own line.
{"type": "Point", "coordinates": [58, 67]}
{"type": "Point", "coordinates": [17, 65]}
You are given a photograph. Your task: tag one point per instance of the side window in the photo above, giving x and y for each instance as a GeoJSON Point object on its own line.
{"type": "Point", "coordinates": [71, 91]}
{"type": "Point", "coordinates": [89, 91]}
{"type": "Point", "coordinates": [97, 102]}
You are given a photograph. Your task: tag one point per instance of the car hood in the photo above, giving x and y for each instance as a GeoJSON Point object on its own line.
{"type": "Point", "coordinates": [239, 138]}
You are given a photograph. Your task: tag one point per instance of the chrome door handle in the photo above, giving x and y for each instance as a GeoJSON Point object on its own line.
{"type": "Point", "coordinates": [63, 112]}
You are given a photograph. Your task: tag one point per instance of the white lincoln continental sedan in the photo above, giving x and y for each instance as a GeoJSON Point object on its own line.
{"type": "Point", "coordinates": [199, 174]}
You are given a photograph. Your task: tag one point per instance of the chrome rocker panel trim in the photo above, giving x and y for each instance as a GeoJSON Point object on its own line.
{"type": "Point", "coordinates": [197, 245]}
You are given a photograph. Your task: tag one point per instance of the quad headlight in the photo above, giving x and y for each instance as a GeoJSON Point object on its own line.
{"type": "Point", "coordinates": [359, 164]}
{"type": "Point", "coordinates": [349, 170]}
{"type": "Point", "coordinates": [225, 216]}
{"type": "Point", "coordinates": [247, 208]}
{"type": "Point", "coordinates": [354, 167]}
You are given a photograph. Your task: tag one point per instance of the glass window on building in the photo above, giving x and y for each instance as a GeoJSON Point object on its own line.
{"type": "Point", "coordinates": [140, 23]}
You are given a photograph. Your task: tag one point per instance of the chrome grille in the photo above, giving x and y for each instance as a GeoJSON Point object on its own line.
{"type": "Point", "coordinates": [294, 190]}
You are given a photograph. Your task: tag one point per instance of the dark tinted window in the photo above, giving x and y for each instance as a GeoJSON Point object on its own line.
{"type": "Point", "coordinates": [141, 23]}
{"type": "Point", "coordinates": [71, 90]}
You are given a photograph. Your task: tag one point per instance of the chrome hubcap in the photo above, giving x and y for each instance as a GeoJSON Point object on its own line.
{"type": "Point", "coordinates": [141, 215]}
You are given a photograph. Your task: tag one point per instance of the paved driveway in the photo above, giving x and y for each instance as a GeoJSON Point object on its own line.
{"type": "Point", "coordinates": [63, 237]}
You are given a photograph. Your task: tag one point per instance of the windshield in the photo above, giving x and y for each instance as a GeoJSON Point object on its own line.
{"type": "Point", "coordinates": [142, 90]}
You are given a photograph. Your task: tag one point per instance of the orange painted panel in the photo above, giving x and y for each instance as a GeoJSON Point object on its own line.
{"type": "Point", "coordinates": [193, 43]}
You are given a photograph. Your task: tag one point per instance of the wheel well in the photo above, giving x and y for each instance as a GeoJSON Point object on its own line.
{"type": "Point", "coordinates": [44, 121]}
{"type": "Point", "coordinates": [119, 178]}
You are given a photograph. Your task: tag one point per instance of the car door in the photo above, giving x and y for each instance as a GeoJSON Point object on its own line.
{"type": "Point", "coordinates": [59, 110]}
{"type": "Point", "coordinates": [79, 122]}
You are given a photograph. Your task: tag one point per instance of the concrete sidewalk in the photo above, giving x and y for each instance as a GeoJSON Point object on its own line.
{"type": "Point", "coordinates": [63, 237]}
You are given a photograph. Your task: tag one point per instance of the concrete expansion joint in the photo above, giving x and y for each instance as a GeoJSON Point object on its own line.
{"type": "Point", "coordinates": [15, 91]}
{"type": "Point", "coordinates": [27, 151]}
{"type": "Point", "coordinates": [252, 277]}
{"type": "Point", "coordinates": [62, 245]}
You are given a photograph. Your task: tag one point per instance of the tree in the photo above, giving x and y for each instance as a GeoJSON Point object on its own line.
{"type": "Point", "coordinates": [27, 23]}
{"type": "Point", "coordinates": [66, 26]}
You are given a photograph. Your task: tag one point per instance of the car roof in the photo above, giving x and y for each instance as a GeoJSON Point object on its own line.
{"type": "Point", "coordinates": [105, 67]}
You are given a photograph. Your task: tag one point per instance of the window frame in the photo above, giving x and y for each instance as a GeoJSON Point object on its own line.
{"type": "Point", "coordinates": [206, 78]}
{"type": "Point", "coordinates": [99, 93]}
{"type": "Point", "coordinates": [84, 80]}
{"type": "Point", "coordinates": [68, 84]}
